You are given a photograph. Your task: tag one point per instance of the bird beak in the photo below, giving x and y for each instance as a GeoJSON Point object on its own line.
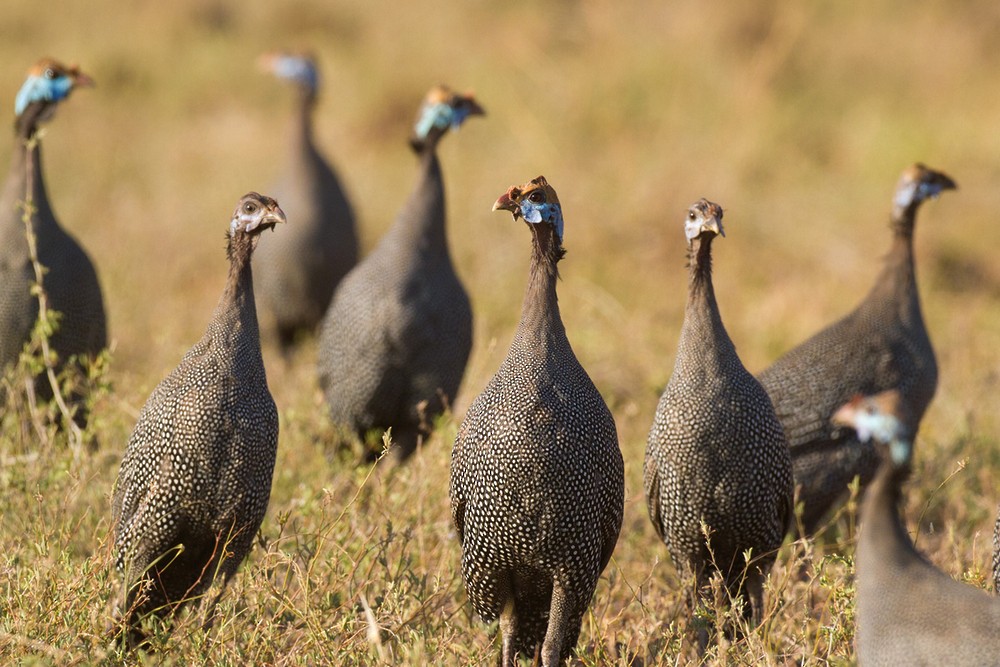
{"type": "Point", "coordinates": [507, 202]}
{"type": "Point", "coordinates": [847, 413]}
{"type": "Point", "coordinates": [944, 182]}
{"type": "Point", "coordinates": [274, 217]}
{"type": "Point", "coordinates": [81, 80]}
{"type": "Point", "coordinates": [844, 415]}
{"type": "Point", "coordinates": [715, 226]}
{"type": "Point", "coordinates": [265, 62]}
{"type": "Point", "coordinates": [474, 108]}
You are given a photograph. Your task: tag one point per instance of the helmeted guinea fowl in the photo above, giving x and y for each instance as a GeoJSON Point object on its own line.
{"type": "Point", "coordinates": [70, 282]}
{"type": "Point", "coordinates": [996, 554]}
{"type": "Point", "coordinates": [396, 338]}
{"type": "Point", "coordinates": [537, 480]}
{"type": "Point", "coordinates": [195, 480]}
{"type": "Point", "coordinates": [881, 345]}
{"type": "Point", "coordinates": [296, 273]}
{"type": "Point", "coordinates": [908, 611]}
{"type": "Point", "coordinates": [716, 453]}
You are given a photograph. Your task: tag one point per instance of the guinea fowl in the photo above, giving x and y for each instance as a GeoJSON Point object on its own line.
{"type": "Point", "coordinates": [297, 273]}
{"type": "Point", "coordinates": [716, 454]}
{"type": "Point", "coordinates": [909, 612]}
{"type": "Point", "coordinates": [881, 345]}
{"type": "Point", "coordinates": [537, 479]}
{"type": "Point", "coordinates": [71, 282]}
{"type": "Point", "coordinates": [395, 340]}
{"type": "Point", "coordinates": [996, 554]}
{"type": "Point", "coordinates": [196, 476]}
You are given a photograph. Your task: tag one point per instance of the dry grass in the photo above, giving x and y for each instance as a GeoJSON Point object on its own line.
{"type": "Point", "coordinates": [797, 121]}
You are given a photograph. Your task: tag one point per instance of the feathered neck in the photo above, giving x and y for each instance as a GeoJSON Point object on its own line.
{"type": "Point", "coordinates": [26, 125]}
{"type": "Point", "coordinates": [25, 181]}
{"type": "Point", "coordinates": [237, 307]}
{"type": "Point", "coordinates": [703, 336]}
{"type": "Point", "coordinates": [239, 283]}
{"type": "Point", "coordinates": [882, 528]}
{"type": "Point", "coordinates": [699, 258]}
{"type": "Point", "coordinates": [420, 225]}
{"type": "Point", "coordinates": [897, 280]}
{"type": "Point", "coordinates": [904, 217]}
{"type": "Point", "coordinates": [302, 119]}
{"type": "Point", "coordinates": [540, 310]}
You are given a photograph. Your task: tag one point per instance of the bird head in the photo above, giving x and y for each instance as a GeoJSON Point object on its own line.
{"type": "Point", "coordinates": [299, 68]}
{"type": "Point", "coordinates": [703, 218]}
{"type": "Point", "coordinates": [442, 110]}
{"type": "Point", "coordinates": [536, 202]}
{"type": "Point", "coordinates": [255, 213]}
{"type": "Point", "coordinates": [48, 83]}
{"type": "Point", "coordinates": [879, 417]}
{"type": "Point", "coordinates": [919, 183]}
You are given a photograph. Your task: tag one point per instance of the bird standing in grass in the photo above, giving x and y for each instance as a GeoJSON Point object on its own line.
{"type": "Point", "coordinates": [716, 458]}
{"type": "Point", "coordinates": [70, 281]}
{"type": "Point", "coordinates": [909, 612]}
{"type": "Point", "coordinates": [297, 273]}
{"type": "Point", "coordinates": [996, 554]}
{"type": "Point", "coordinates": [195, 480]}
{"type": "Point", "coordinates": [396, 338]}
{"type": "Point", "coordinates": [883, 344]}
{"type": "Point", "coordinates": [537, 479]}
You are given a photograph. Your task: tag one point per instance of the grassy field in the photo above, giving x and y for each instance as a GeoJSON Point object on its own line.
{"type": "Point", "coordinates": [798, 122]}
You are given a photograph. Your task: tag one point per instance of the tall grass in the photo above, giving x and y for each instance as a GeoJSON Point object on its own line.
{"type": "Point", "coordinates": [798, 121]}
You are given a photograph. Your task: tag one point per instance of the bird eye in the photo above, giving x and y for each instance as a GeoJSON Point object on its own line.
{"type": "Point", "coordinates": [537, 197]}
{"type": "Point", "coordinates": [250, 207]}
{"type": "Point", "coordinates": [50, 73]}
{"type": "Point", "coordinates": [691, 215]}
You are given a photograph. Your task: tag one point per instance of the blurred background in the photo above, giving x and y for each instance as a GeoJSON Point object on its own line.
{"type": "Point", "coordinates": [796, 117]}
{"type": "Point", "coordinates": [797, 120]}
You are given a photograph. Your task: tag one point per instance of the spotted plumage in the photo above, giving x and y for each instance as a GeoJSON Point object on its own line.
{"type": "Point", "coordinates": [395, 340]}
{"type": "Point", "coordinates": [908, 611]}
{"type": "Point", "coordinates": [882, 344]}
{"type": "Point", "coordinates": [996, 554]}
{"type": "Point", "coordinates": [716, 453]}
{"type": "Point", "coordinates": [297, 272]}
{"type": "Point", "coordinates": [537, 481]}
{"type": "Point", "coordinates": [71, 282]}
{"type": "Point", "coordinates": [195, 480]}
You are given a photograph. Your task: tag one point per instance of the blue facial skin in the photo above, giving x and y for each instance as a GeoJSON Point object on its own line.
{"type": "Point", "coordinates": [917, 192]}
{"type": "Point", "coordinates": [547, 211]}
{"type": "Point", "coordinates": [297, 69]}
{"type": "Point", "coordinates": [42, 89]}
{"type": "Point", "coordinates": [440, 116]}
{"type": "Point", "coordinates": [885, 429]}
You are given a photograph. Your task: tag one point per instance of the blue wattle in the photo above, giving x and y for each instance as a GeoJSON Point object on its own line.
{"type": "Point", "coordinates": [550, 213]}
{"type": "Point", "coordinates": [297, 69]}
{"type": "Point", "coordinates": [40, 89]}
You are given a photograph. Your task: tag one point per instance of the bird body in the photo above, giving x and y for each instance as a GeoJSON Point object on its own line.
{"type": "Point", "coordinates": [908, 611]}
{"type": "Point", "coordinates": [297, 272]}
{"type": "Point", "coordinates": [996, 554]}
{"type": "Point", "coordinates": [71, 282]}
{"type": "Point", "coordinates": [716, 454]}
{"type": "Point", "coordinates": [396, 338]}
{"type": "Point", "coordinates": [882, 344]}
{"type": "Point", "coordinates": [195, 480]}
{"type": "Point", "coordinates": [537, 478]}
